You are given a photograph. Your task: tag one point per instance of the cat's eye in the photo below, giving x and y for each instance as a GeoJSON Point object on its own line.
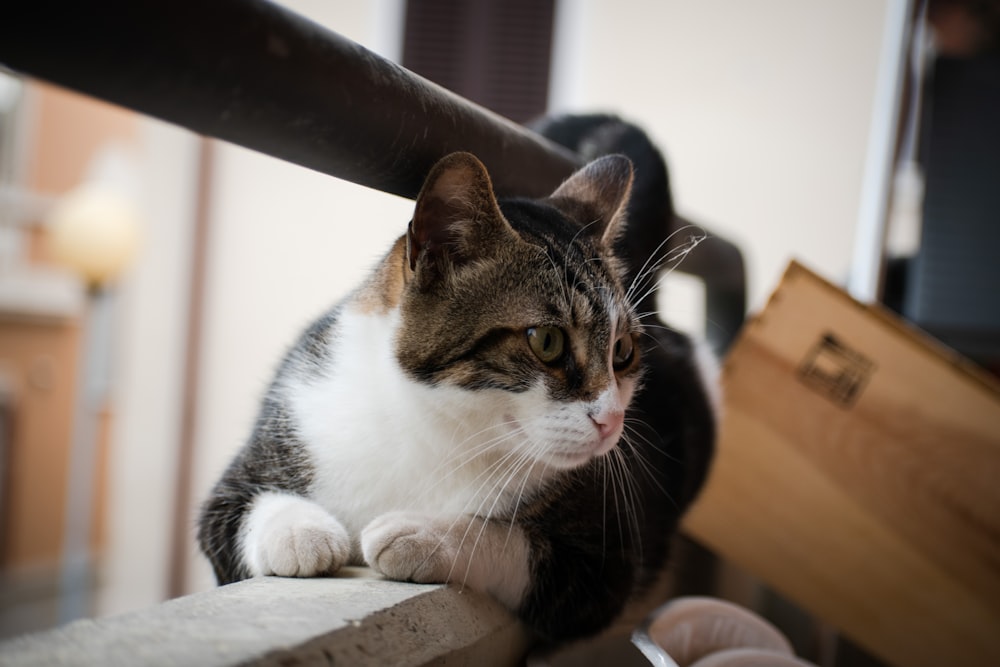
{"type": "Point", "coordinates": [547, 343]}
{"type": "Point", "coordinates": [624, 350]}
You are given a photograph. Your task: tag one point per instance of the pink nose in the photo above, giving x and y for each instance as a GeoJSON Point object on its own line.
{"type": "Point", "coordinates": [608, 423]}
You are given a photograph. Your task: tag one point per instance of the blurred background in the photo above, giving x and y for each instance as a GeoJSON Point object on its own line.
{"type": "Point", "coordinates": [222, 255]}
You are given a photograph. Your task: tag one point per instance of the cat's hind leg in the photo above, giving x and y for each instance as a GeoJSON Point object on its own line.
{"type": "Point", "coordinates": [291, 536]}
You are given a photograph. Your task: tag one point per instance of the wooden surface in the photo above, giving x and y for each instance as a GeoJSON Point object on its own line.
{"type": "Point", "coordinates": [859, 474]}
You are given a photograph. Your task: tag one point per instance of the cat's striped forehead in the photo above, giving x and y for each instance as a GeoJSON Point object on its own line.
{"type": "Point", "coordinates": [587, 275]}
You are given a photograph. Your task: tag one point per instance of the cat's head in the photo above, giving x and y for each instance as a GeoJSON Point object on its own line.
{"type": "Point", "coordinates": [519, 305]}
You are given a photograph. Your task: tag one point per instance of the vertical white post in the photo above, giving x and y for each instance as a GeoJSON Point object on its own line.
{"type": "Point", "coordinates": [566, 86]}
{"type": "Point", "coordinates": [869, 239]}
{"type": "Point", "coordinates": [92, 391]}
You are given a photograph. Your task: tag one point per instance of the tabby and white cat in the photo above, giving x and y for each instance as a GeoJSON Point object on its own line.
{"type": "Point", "coordinates": [487, 408]}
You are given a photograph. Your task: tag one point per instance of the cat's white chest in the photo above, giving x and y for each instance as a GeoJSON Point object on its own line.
{"type": "Point", "coordinates": [380, 441]}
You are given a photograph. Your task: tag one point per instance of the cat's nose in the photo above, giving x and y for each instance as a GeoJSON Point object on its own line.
{"type": "Point", "coordinates": [608, 423]}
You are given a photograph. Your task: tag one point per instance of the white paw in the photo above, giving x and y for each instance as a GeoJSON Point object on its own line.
{"type": "Point", "coordinates": [410, 547]}
{"type": "Point", "coordinates": [292, 537]}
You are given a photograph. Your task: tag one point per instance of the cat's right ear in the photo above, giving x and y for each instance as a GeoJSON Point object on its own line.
{"type": "Point", "coordinates": [604, 186]}
{"type": "Point", "coordinates": [454, 215]}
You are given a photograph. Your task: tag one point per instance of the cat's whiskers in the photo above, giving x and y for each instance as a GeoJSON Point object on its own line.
{"type": "Point", "coordinates": [650, 278]}
{"type": "Point", "coordinates": [517, 504]}
{"type": "Point", "coordinates": [624, 495]}
{"type": "Point", "coordinates": [633, 493]}
{"type": "Point", "coordinates": [604, 508]}
{"type": "Point", "coordinates": [607, 480]}
{"type": "Point", "coordinates": [496, 471]}
{"type": "Point", "coordinates": [645, 463]}
{"type": "Point", "coordinates": [630, 427]}
{"type": "Point", "coordinates": [617, 485]}
{"type": "Point", "coordinates": [521, 453]}
{"type": "Point", "coordinates": [646, 326]}
{"type": "Point", "coordinates": [491, 470]}
{"type": "Point", "coordinates": [675, 256]}
{"type": "Point", "coordinates": [515, 470]}
{"type": "Point", "coordinates": [467, 455]}
{"type": "Point", "coordinates": [650, 267]}
{"type": "Point", "coordinates": [650, 325]}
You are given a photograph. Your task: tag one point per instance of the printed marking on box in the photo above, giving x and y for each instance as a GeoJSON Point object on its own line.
{"type": "Point", "coordinates": [835, 370]}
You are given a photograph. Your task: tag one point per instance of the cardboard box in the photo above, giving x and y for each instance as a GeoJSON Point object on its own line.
{"type": "Point", "coordinates": [858, 473]}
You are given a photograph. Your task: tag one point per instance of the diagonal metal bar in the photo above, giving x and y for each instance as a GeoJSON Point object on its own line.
{"type": "Point", "coordinates": [256, 74]}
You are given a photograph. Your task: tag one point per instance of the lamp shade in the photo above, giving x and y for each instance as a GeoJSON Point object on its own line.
{"type": "Point", "coordinates": [94, 231]}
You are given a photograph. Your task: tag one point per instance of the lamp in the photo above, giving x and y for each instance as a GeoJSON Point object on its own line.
{"type": "Point", "coordinates": [93, 231]}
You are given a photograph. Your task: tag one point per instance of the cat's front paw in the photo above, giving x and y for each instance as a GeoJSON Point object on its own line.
{"type": "Point", "coordinates": [488, 556]}
{"type": "Point", "coordinates": [409, 547]}
{"type": "Point", "coordinates": [293, 537]}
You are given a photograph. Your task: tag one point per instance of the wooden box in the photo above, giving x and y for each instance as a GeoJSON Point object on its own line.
{"type": "Point", "coordinates": [858, 473]}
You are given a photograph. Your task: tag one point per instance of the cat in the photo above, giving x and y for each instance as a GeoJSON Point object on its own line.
{"type": "Point", "coordinates": [489, 408]}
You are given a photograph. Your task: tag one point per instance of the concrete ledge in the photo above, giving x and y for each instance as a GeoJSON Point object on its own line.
{"type": "Point", "coordinates": [356, 618]}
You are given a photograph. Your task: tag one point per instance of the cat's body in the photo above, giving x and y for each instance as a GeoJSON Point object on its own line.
{"type": "Point", "coordinates": [458, 417]}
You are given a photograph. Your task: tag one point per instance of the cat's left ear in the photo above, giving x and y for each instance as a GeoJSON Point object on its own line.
{"type": "Point", "coordinates": [456, 214]}
{"type": "Point", "coordinates": [604, 187]}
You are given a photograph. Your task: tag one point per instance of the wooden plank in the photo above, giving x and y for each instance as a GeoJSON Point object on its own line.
{"type": "Point", "coordinates": [858, 473]}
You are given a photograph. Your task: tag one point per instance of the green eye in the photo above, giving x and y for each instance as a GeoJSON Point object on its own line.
{"type": "Point", "coordinates": [546, 342]}
{"type": "Point", "coordinates": [623, 352]}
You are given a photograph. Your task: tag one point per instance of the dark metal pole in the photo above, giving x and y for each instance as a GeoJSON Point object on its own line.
{"type": "Point", "coordinates": [256, 74]}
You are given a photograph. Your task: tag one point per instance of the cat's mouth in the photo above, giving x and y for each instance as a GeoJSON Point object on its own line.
{"type": "Point", "coordinates": [568, 459]}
